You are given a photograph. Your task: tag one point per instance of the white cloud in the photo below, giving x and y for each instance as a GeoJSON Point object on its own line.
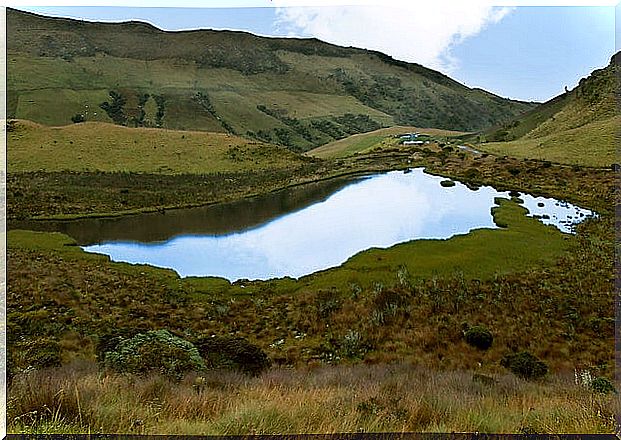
{"type": "Point", "coordinates": [420, 32]}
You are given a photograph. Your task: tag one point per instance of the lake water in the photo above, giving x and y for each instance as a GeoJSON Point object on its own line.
{"type": "Point", "coordinates": [319, 228]}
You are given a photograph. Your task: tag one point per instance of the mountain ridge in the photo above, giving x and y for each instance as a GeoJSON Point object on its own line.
{"type": "Point", "coordinates": [296, 92]}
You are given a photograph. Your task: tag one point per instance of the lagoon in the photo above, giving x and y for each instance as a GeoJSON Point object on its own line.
{"type": "Point", "coordinates": [324, 230]}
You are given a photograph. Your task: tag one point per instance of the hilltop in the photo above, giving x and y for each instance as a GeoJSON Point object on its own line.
{"type": "Point", "coordinates": [300, 93]}
{"type": "Point", "coordinates": [577, 127]}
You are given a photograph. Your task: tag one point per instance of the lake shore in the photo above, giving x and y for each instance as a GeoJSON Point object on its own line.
{"type": "Point", "coordinates": [382, 307]}
{"type": "Point", "coordinates": [75, 195]}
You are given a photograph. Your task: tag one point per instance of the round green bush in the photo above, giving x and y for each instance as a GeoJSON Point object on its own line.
{"type": "Point", "coordinates": [155, 351]}
{"type": "Point", "coordinates": [447, 183]}
{"type": "Point", "coordinates": [479, 337]}
{"type": "Point", "coordinates": [602, 385]}
{"type": "Point", "coordinates": [525, 365]}
{"type": "Point", "coordinates": [233, 353]}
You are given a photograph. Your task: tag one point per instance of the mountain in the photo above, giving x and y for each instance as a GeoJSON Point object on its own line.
{"type": "Point", "coordinates": [295, 92]}
{"type": "Point", "coordinates": [577, 127]}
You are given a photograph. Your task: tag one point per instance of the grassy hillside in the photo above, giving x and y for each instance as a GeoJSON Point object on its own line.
{"type": "Point", "coordinates": [593, 144]}
{"type": "Point", "coordinates": [363, 142]}
{"type": "Point", "coordinates": [578, 127]}
{"type": "Point", "coordinates": [90, 146]}
{"type": "Point", "coordinates": [296, 92]}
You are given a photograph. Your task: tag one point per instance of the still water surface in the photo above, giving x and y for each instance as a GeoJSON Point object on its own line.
{"type": "Point", "coordinates": [324, 230]}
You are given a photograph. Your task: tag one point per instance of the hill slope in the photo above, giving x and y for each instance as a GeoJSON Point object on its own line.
{"type": "Point", "coordinates": [88, 147]}
{"type": "Point", "coordinates": [577, 127]}
{"type": "Point", "coordinates": [364, 142]}
{"type": "Point", "coordinates": [296, 92]}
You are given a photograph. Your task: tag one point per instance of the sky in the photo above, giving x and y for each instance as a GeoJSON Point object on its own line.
{"type": "Point", "coordinates": [522, 52]}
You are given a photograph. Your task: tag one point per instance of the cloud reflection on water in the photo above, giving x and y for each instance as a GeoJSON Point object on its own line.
{"type": "Point", "coordinates": [377, 211]}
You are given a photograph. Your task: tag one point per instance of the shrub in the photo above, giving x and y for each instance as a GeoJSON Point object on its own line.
{"type": "Point", "coordinates": [447, 183]}
{"type": "Point", "coordinates": [479, 337]}
{"type": "Point", "coordinates": [115, 109]}
{"type": "Point", "coordinates": [155, 351]}
{"type": "Point", "coordinates": [77, 118]}
{"type": "Point", "coordinates": [233, 353]}
{"type": "Point", "coordinates": [513, 171]}
{"type": "Point", "coordinates": [37, 354]}
{"type": "Point", "coordinates": [602, 385]}
{"type": "Point", "coordinates": [525, 365]}
{"type": "Point", "coordinates": [108, 340]}
{"type": "Point", "coordinates": [353, 345]}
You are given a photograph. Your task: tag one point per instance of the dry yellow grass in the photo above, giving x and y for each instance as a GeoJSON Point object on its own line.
{"type": "Point", "coordinates": [321, 400]}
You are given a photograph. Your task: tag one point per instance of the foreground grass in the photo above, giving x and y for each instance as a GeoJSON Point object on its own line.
{"type": "Point", "coordinates": [401, 397]}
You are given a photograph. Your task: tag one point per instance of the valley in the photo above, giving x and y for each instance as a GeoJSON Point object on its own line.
{"type": "Point", "coordinates": [209, 130]}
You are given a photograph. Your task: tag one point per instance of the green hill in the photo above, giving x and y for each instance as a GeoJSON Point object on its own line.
{"type": "Point", "coordinates": [300, 93]}
{"type": "Point", "coordinates": [88, 147]}
{"type": "Point", "coordinates": [577, 127]}
{"type": "Point", "coordinates": [365, 142]}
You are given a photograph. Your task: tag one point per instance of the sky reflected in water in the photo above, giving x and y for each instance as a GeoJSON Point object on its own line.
{"type": "Point", "coordinates": [377, 211]}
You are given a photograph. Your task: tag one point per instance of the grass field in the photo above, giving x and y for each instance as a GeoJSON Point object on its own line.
{"type": "Point", "coordinates": [364, 142]}
{"type": "Point", "coordinates": [593, 144]}
{"type": "Point", "coordinates": [95, 146]}
{"type": "Point", "coordinates": [323, 400]}
{"type": "Point", "coordinates": [533, 287]}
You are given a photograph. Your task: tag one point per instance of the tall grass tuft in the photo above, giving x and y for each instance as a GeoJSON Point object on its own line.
{"type": "Point", "coordinates": [324, 399]}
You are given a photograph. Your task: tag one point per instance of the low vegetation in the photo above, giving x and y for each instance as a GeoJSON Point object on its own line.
{"type": "Point", "coordinates": [413, 312]}
{"type": "Point", "coordinates": [360, 398]}
{"type": "Point", "coordinates": [525, 365]}
{"type": "Point", "coordinates": [427, 304]}
{"type": "Point", "coordinates": [479, 337]}
{"type": "Point", "coordinates": [499, 330]}
{"type": "Point", "coordinates": [154, 351]}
